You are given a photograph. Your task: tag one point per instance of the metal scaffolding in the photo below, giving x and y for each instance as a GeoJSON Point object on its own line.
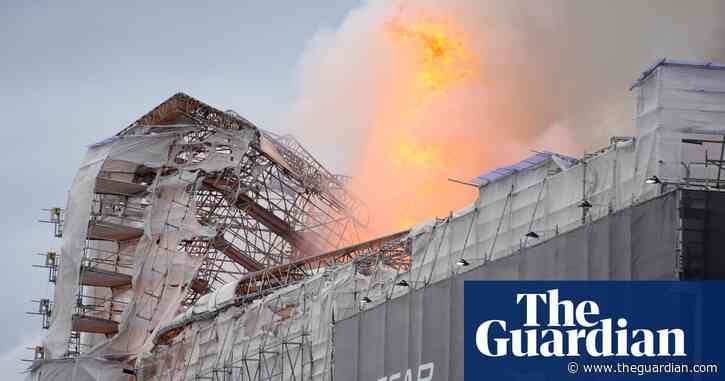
{"type": "Point", "coordinates": [279, 325]}
{"type": "Point", "coordinates": [271, 205]}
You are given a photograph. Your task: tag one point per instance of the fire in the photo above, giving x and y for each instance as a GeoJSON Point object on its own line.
{"type": "Point", "coordinates": [439, 47]}
{"type": "Point", "coordinates": [403, 172]}
{"type": "Point", "coordinates": [423, 156]}
{"type": "Point", "coordinates": [416, 96]}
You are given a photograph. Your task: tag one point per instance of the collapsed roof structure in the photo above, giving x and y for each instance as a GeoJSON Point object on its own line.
{"type": "Point", "coordinates": [196, 246]}
{"type": "Point", "coordinates": [179, 204]}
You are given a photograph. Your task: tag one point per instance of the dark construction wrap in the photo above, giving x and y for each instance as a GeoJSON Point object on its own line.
{"type": "Point", "coordinates": [420, 335]}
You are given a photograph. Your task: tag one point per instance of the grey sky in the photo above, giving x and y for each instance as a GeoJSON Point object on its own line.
{"type": "Point", "coordinates": [75, 74]}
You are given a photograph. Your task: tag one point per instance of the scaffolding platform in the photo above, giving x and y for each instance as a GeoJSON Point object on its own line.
{"type": "Point", "coordinates": [92, 324]}
{"type": "Point", "coordinates": [115, 187]}
{"type": "Point", "coordinates": [103, 278]}
{"type": "Point", "coordinates": [109, 231]}
{"type": "Point", "coordinates": [232, 200]}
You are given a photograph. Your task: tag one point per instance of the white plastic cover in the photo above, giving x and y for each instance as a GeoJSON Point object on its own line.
{"type": "Point", "coordinates": [160, 272]}
{"type": "Point", "coordinates": [288, 333]}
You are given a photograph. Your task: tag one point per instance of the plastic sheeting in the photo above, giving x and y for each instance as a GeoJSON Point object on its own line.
{"type": "Point", "coordinates": [543, 198]}
{"type": "Point", "coordinates": [425, 325]}
{"type": "Point", "coordinates": [160, 272]}
{"type": "Point", "coordinates": [606, 240]}
{"type": "Point", "coordinates": [285, 335]}
{"type": "Point", "coordinates": [77, 215]}
{"type": "Point", "coordinates": [288, 334]}
{"type": "Point", "coordinates": [540, 197]}
{"type": "Point", "coordinates": [80, 369]}
{"type": "Point", "coordinates": [143, 150]}
{"type": "Point", "coordinates": [680, 100]}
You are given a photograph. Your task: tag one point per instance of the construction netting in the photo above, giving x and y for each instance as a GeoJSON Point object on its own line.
{"type": "Point", "coordinates": [421, 333]}
{"type": "Point", "coordinates": [147, 229]}
{"type": "Point", "coordinates": [343, 324]}
{"type": "Point", "coordinates": [554, 218]}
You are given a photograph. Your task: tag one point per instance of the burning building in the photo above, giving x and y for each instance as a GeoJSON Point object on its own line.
{"type": "Point", "coordinates": [197, 246]}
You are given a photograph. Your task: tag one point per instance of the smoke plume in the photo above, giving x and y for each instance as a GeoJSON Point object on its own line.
{"type": "Point", "coordinates": [404, 95]}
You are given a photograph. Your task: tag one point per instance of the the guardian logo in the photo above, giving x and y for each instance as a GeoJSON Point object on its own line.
{"type": "Point", "coordinates": [573, 330]}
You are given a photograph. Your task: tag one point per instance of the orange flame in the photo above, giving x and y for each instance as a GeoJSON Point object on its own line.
{"type": "Point", "coordinates": [410, 97]}
{"type": "Point", "coordinates": [403, 173]}
{"type": "Point", "coordinates": [444, 60]}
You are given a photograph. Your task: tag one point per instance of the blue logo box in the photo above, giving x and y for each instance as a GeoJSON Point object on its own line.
{"type": "Point", "coordinates": [594, 330]}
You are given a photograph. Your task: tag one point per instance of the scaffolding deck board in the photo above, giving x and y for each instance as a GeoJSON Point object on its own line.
{"type": "Point", "coordinates": [94, 325]}
{"type": "Point", "coordinates": [107, 231]}
{"type": "Point", "coordinates": [102, 278]}
{"type": "Point", "coordinates": [108, 186]}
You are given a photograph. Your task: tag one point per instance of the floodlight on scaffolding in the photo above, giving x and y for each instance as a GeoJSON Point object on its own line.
{"type": "Point", "coordinates": [585, 204]}
{"type": "Point", "coordinates": [44, 311]}
{"type": "Point", "coordinates": [44, 307]}
{"type": "Point", "coordinates": [406, 283]}
{"type": "Point", "coordinates": [462, 262]}
{"type": "Point", "coordinates": [365, 300]}
{"type": "Point", "coordinates": [50, 262]}
{"type": "Point", "coordinates": [532, 234]}
{"type": "Point", "coordinates": [56, 219]}
{"type": "Point", "coordinates": [653, 180]}
{"type": "Point", "coordinates": [38, 353]}
{"type": "Point", "coordinates": [536, 234]}
{"type": "Point", "coordinates": [50, 259]}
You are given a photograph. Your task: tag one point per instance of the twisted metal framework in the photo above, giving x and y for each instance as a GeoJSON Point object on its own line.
{"type": "Point", "coordinates": [279, 205]}
{"type": "Point", "coordinates": [392, 251]}
{"type": "Point", "coordinates": [273, 206]}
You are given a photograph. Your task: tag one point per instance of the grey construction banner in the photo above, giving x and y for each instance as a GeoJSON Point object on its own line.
{"type": "Point", "coordinates": [419, 336]}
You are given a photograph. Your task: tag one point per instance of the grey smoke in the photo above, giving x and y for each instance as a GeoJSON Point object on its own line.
{"type": "Point", "coordinates": [563, 65]}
